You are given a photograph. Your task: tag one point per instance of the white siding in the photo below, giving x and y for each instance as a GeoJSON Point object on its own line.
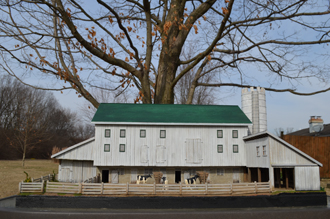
{"type": "Point", "coordinates": [83, 152]}
{"type": "Point", "coordinates": [252, 159]}
{"type": "Point", "coordinates": [174, 146]}
{"type": "Point", "coordinates": [75, 171]}
{"type": "Point", "coordinates": [307, 178]}
{"type": "Point", "coordinates": [283, 155]}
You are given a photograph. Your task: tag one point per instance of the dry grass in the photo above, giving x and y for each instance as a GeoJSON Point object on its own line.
{"type": "Point", "coordinates": [12, 172]}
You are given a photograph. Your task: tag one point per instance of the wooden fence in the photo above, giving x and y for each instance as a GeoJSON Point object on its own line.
{"type": "Point", "coordinates": [31, 187]}
{"type": "Point", "coordinates": [158, 189]}
{"type": "Point", "coordinates": [43, 178]}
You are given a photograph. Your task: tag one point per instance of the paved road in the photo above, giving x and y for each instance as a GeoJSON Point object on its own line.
{"type": "Point", "coordinates": [268, 213]}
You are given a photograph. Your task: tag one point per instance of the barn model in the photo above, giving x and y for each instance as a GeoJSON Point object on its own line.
{"type": "Point", "coordinates": [180, 140]}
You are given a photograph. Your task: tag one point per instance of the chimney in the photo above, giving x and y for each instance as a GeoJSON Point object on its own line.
{"type": "Point", "coordinates": [254, 107]}
{"type": "Point", "coordinates": [315, 124]}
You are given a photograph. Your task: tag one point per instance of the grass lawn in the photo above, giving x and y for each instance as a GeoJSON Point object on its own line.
{"type": "Point", "coordinates": [12, 172]}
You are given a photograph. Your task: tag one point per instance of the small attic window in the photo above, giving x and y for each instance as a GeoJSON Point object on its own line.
{"type": "Point", "coordinates": [235, 148]}
{"type": "Point", "coordinates": [143, 133]}
{"type": "Point", "coordinates": [107, 148]}
{"type": "Point", "coordinates": [219, 134]}
{"type": "Point", "coordinates": [235, 133]}
{"type": "Point", "coordinates": [107, 133]}
{"type": "Point", "coordinates": [122, 133]}
{"type": "Point", "coordinates": [162, 133]}
{"type": "Point", "coordinates": [220, 148]}
{"type": "Point", "coordinates": [122, 148]}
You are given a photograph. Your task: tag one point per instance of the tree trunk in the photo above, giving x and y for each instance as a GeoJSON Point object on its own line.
{"type": "Point", "coordinates": [164, 90]}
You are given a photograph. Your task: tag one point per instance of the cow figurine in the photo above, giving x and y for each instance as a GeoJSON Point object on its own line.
{"type": "Point", "coordinates": [142, 178]}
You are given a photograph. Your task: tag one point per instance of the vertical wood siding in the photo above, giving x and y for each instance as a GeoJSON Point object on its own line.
{"type": "Point", "coordinates": [316, 147]}
{"type": "Point", "coordinates": [83, 152]}
{"type": "Point", "coordinates": [148, 151]}
{"type": "Point", "coordinates": [75, 171]}
{"type": "Point", "coordinates": [282, 155]}
{"type": "Point", "coordinates": [307, 178]}
{"type": "Point", "coordinates": [252, 159]}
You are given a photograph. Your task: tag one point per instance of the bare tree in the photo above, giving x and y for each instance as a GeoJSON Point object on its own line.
{"type": "Point", "coordinates": [279, 131]}
{"type": "Point", "coordinates": [137, 45]}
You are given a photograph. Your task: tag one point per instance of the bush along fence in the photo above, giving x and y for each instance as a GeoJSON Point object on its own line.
{"type": "Point", "coordinates": [151, 189]}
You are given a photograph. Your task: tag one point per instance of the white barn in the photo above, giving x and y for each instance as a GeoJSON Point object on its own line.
{"type": "Point", "coordinates": [179, 140]}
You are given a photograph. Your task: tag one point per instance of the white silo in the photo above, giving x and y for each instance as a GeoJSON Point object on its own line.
{"type": "Point", "coordinates": [254, 107]}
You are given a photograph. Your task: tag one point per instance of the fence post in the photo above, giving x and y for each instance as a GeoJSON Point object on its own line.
{"type": "Point", "coordinates": [270, 186]}
{"type": "Point", "coordinates": [154, 188]}
{"type": "Point", "coordinates": [206, 188]}
{"type": "Point", "coordinates": [255, 186]}
{"type": "Point", "coordinates": [127, 188]}
{"type": "Point", "coordinates": [19, 187]}
{"type": "Point", "coordinates": [231, 189]}
{"type": "Point", "coordinates": [180, 188]}
{"type": "Point", "coordinates": [80, 188]}
{"type": "Point", "coordinates": [102, 186]}
{"type": "Point", "coordinates": [32, 179]}
{"type": "Point", "coordinates": [42, 186]}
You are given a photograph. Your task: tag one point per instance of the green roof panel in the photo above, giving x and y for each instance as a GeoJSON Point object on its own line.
{"type": "Point", "coordinates": [169, 113]}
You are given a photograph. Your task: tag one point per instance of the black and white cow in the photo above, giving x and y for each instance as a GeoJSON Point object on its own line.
{"type": "Point", "coordinates": [193, 179]}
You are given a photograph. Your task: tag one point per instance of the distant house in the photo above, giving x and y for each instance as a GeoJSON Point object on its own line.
{"type": "Point", "coordinates": [179, 140]}
{"type": "Point", "coordinates": [314, 141]}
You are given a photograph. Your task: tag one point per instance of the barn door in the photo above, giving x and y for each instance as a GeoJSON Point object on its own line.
{"type": "Point", "coordinates": [66, 175]}
{"type": "Point", "coordinates": [114, 176]}
{"type": "Point", "coordinates": [235, 175]}
{"type": "Point", "coordinates": [144, 154]}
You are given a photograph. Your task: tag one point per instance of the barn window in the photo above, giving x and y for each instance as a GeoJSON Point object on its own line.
{"type": "Point", "coordinates": [219, 134]}
{"type": "Point", "coordinates": [143, 133]}
{"type": "Point", "coordinates": [147, 171]}
{"type": "Point", "coordinates": [220, 171]}
{"type": "Point", "coordinates": [235, 133]}
{"type": "Point", "coordinates": [107, 133]}
{"type": "Point", "coordinates": [264, 151]}
{"type": "Point", "coordinates": [235, 148]}
{"type": "Point", "coordinates": [258, 152]}
{"type": "Point", "coordinates": [122, 133]}
{"type": "Point", "coordinates": [162, 133]}
{"type": "Point", "coordinates": [220, 148]}
{"type": "Point", "coordinates": [107, 148]}
{"type": "Point", "coordinates": [121, 148]}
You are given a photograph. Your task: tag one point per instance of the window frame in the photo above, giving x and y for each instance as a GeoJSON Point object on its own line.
{"type": "Point", "coordinates": [220, 171]}
{"type": "Point", "coordinates": [120, 145]}
{"type": "Point", "coordinates": [105, 146]}
{"type": "Point", "coordinates": [220, 146]}
{"type": "Point", "coordinates": [264, 151]}
{"type": "Point", "coordinates": [145, 133]}
{"type": "Point", "coordinates": [234, 132]}
{"type": "Point", "coordinates": [122, 136]}
{"type": "Point", "coordinates": [258, 151]}
{"type": "Point", "coordinates": [220, 131]}
{"type": "Point", "coordinates": [160, 134]}
{"type": "Point", "coordinates": [234, 148]}
{"type": "Point", "coordinates": [105, 133]}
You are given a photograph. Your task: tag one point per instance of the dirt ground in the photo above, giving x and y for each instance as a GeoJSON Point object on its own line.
{"type": "Point", "coordinates": [12, 172]}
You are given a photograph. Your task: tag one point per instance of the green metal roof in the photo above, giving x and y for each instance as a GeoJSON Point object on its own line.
{"type": "Point", "coordinates": [169, 113]}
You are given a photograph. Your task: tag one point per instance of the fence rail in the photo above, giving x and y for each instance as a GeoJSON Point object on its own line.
{"type": "Point", "coordinates": [31, 187]}
{"type": "Point", "coordinates": [158, 189]}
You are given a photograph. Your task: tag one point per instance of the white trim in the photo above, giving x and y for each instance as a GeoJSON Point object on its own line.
{"type": "Point", "coordinates": [72, 147]}
{"type": "Point", "coordinates": [246, 138]}
{"type": "Point", "coordinates": [171, 124]}
{"type": "Point", "coordinates": [292, 165]}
